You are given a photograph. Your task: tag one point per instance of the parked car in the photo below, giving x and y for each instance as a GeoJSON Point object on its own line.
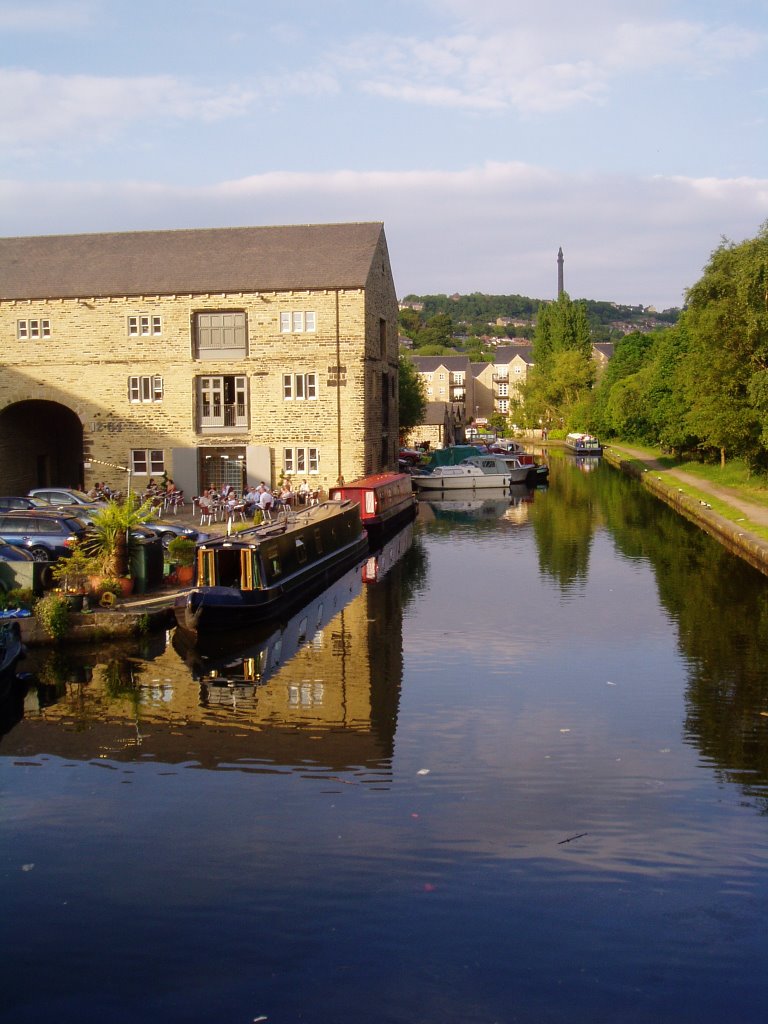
{"type": "Point", "coordinates": [64, 496]}
{"type": "Point", "coordinates": [11, 501]}
{"type": "Point", "coordinates": [167, 531]}
{"type": "Point", "coordinates": [46, 535]}
{"type": "Point", "coordinates": [12, 553]}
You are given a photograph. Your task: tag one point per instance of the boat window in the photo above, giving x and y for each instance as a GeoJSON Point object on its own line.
{"type": "Point", "coordinates": [318, 542]}
{"type": "Point", "coordinates": [250, 579]}
{"type": "Point", "coordinates": [206, 568]}
{"type": "Point", "coordinates": [301, 551]}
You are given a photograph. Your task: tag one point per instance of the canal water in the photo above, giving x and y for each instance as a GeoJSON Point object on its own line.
{"type": "Point", "coordinates": [514, 770]}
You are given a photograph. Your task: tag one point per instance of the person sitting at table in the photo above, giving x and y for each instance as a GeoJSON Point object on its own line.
{"type": "Point", "coordinates": [286, 494]}
{"type": "Point", "coordinates": [266, 501]}
{"type": "Point", "coordinates": [304, 492]}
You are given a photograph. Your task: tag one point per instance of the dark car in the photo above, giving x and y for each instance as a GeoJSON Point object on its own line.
{"type": "Point", "coordinates": [15, 501]}
{"type": "Point", "coordinates": [12, 553]}
{"type": "Point", "coordinates": [46, 535]}
{"type": "Point", "coordinates": [167, 531]}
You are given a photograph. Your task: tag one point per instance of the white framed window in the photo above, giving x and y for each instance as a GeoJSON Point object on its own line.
{"type": "Point", "coordinates": [503, 389]}
{"type": "Point", "coordinates": [147, 461]}
{"type": "Point", "coordinates": [457, 377]}
{"type": "Point", "coordinates": [145, 389]}
{"type": "Point", "coordinates": [33, 329]}
{"type": "Point", "coordinates": [504, 405]}
{"type": "Point", "coordinates": [144, 325]}
{"type": "Point", "coordinates": [299, 386]}
{"type": "Point", "coordinates": [223, 401]}
{"type": "Point", "coordinates": [297, 321]}
{"type": "Point", "coordinates": [518, 369]}
{"type": "Point", "coordinates": [301, 460]}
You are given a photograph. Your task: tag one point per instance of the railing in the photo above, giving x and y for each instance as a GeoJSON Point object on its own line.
{"type": "Point", "coordinates": [227, 415]}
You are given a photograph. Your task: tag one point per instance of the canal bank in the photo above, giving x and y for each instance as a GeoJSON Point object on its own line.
{"type": "Point", "coordinates": [664, 483]}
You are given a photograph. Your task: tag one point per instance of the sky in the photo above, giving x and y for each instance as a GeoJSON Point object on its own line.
{"type": "Point", "coordinates": [484, 134]}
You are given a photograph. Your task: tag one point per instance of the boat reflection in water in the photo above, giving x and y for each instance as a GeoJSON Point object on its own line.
{"type": "Point", "coordinates": [379, 563]}
{"type": "Point", "coordinates": [586, 463]}
{"type": "Point", "coordinates": [317, 692]}
{"type": "Point", "coordinates": [511, 504]}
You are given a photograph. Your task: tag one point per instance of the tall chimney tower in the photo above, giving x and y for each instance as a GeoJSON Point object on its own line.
{"type": "Point", "coordinates": [559, 271]}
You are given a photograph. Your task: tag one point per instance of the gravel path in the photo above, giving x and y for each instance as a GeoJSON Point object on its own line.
{"type": "Point", "coordinates": [756, 513]}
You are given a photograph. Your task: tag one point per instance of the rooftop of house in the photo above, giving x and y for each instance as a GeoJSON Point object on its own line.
{"type": "Point", "coordinates": [428, 364]}
{"type": "Point", "coordinates": [198, 261]}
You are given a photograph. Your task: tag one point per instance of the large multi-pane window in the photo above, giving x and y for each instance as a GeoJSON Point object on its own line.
{"type": "Point", "coordinates": [221, 334]}
{"type": "Point", "coordinates": [301, 460]}
{"type": "Point", "coordinates": [299, 386]}
{"type": "Point", "coordinates": [145, 389]}
{"type": "Point", "coordinates": [222, 401]}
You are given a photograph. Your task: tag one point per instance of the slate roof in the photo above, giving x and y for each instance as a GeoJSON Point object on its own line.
{"type": "Point", "coordinates": [506, 353]}
{"type": "Point", "coordinates": [198, 261]}
{"type": "Point", "coordinates": [435, 414]}
{"type": "Point", "coordinates": [428, 364]}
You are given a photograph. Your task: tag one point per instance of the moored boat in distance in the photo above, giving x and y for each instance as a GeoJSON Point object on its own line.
{"type": "Point", "coordinates": [386, 502]}
{"type": "Point", "coordinates": [263, 572]}
{"type": "Point", "coordinates": [481, 471]}
{"type": "Point", "coordinates": [583, 444]}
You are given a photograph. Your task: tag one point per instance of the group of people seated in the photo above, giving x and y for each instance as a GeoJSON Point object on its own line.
{"type": "Point", "coordinates": [226, 504]}
{"type": "Point", "coordinates": [164, 495]}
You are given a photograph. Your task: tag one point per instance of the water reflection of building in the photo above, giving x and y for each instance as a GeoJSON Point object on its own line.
{"type": "Point", "coordinates": [321, 691]}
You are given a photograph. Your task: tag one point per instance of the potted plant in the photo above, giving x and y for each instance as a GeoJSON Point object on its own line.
{"type": "Point", "coordinates": [183, 552]}
{"type": "Point", "coordinates": [72, 573]}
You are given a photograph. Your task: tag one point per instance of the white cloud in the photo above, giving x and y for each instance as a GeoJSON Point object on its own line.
{"type": "Point", "coordinates": [539, 58]}
{"type": "Point", "coordinates": [626, 239]}
{"type": "Point", "coordinates": [42, 109]}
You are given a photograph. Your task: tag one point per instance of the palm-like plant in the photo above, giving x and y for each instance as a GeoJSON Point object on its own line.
{"type": "Point", "coordinates": [109, 533]}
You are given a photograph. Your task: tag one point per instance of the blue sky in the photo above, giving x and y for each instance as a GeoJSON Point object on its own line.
{"type": "Point", "coordinates": [483, 133]}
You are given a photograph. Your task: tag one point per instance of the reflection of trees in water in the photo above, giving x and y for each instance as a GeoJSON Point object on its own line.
{"type": "Point", "coordinates": [720, 606]}
{"type": "Point", "coordinates": [387, 601]}
{"type": "Point", "coordinates": [411, 572]}
{"type": "Point", "coordinates": [564, 524]}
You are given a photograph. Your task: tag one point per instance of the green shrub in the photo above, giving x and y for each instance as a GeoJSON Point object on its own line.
{"type": "Point", "coordinates": [52, 612]}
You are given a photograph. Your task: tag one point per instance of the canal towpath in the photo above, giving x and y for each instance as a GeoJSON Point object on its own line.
{"type": "Point", "coordinates": [741, 519]}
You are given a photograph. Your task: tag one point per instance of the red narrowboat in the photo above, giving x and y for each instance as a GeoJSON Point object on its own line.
{"type": "Point", "coordinates": [386, 501]}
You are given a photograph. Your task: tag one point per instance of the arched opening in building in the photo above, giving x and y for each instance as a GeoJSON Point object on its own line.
{"type": "Point", "coordinates": [41, 445]}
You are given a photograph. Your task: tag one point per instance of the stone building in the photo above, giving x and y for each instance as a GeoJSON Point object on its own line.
{"type": "Point", "coordinates": [213, 356]}
{"type": "Point", "coordinates": [496, 385]}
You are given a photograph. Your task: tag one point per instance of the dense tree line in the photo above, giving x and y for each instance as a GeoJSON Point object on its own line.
{"type": "Point", "coordinates": [473, 316]}
{"type": "Point", "coordinates": [702, 385]}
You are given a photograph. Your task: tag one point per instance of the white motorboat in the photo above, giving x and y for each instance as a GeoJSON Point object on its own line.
{"type": "Point", "coordinates": [479, 471]}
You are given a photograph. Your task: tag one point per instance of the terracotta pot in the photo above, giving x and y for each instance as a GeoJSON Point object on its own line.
{"type": "Point", "coordinates": [185, 574]}
{"type": "Point", "coordinates": [126, 585]}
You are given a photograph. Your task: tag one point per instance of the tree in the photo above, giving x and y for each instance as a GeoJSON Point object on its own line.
{"type": "Point", "coordinates": [410, 322]}
{"type": "Point", "coordinates": [438, 330]}
{"type": "Point", "coordinates": [413, 399]}
{"type": "Point", "coordinates": [561, 326]}
{"type": "Point", "coordinates": [727, 320]}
